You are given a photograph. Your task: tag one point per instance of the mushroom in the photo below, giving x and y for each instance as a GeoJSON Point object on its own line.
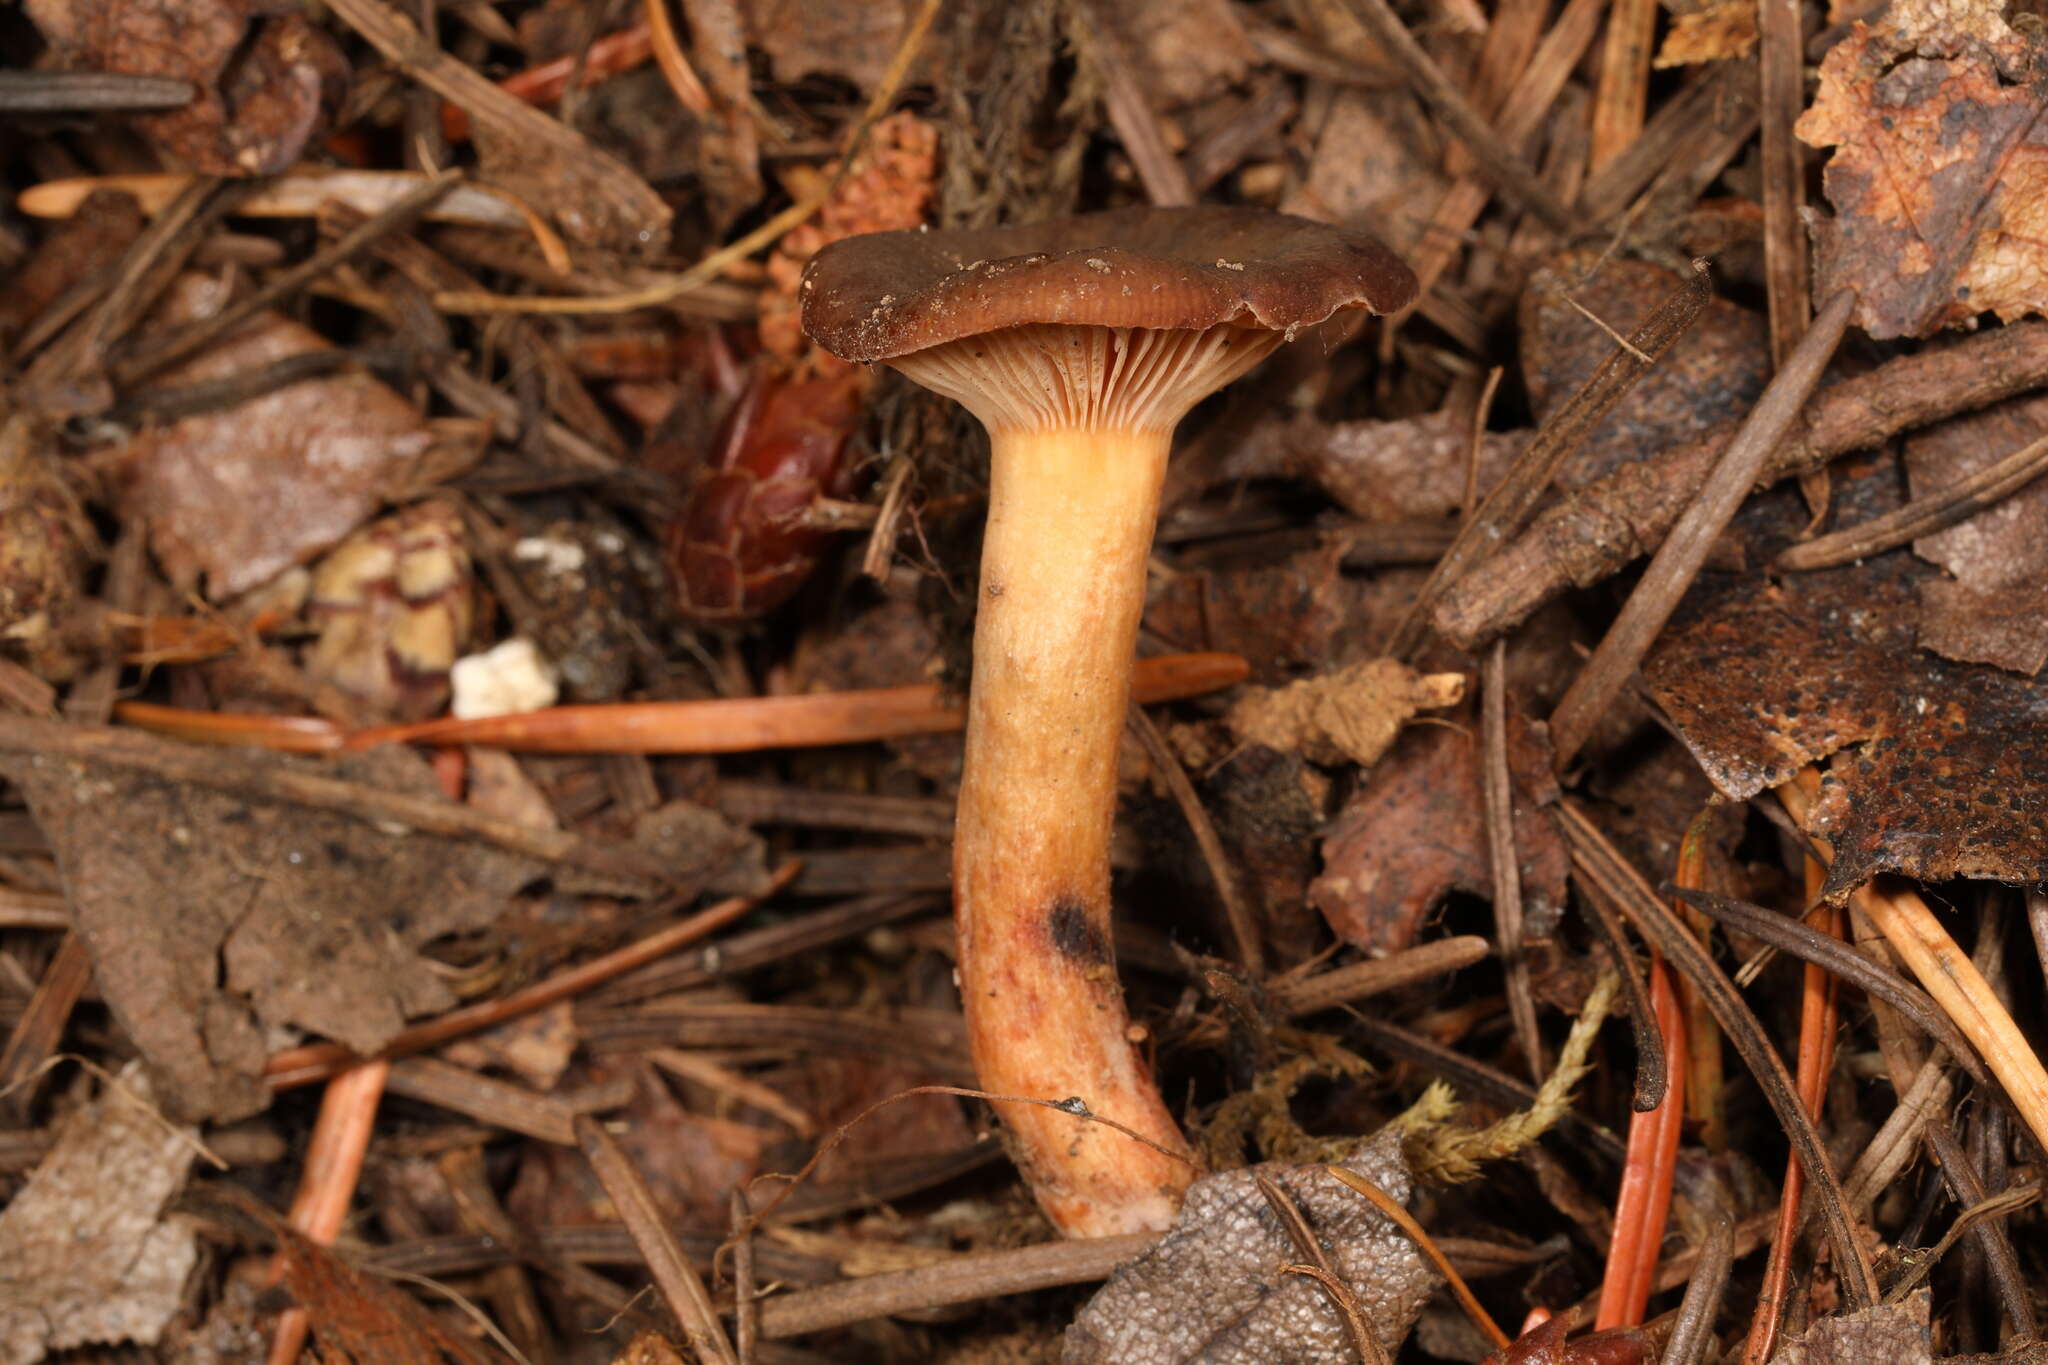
{"type": "Point", "coordinates": [1079, 343]}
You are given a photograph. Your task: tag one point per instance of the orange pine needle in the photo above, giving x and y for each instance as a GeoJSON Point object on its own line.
{"type": "Point", "coordinates": [1643, 1206]}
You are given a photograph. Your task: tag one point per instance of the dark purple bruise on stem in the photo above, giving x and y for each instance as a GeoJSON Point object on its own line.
{"type": "Point", "coordinates": [1074, 934]}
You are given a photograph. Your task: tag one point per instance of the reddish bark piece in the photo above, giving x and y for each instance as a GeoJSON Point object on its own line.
{"type": "Point", "coordinates": [1213, 1289]}
{"type": "Point", "coordinates": [1547, 1343]}
{"type": "Point", "coordinates": [1940, 173]}
{"type": "Point", "coordinates": [267, 83]}
{"type": "Point", "coordinates": [1710, 376]}
{"type": "Point", "coordinates": [1940, 769]}
{"type": "Point", "coordinates": [240, 494]}
{"type": "Point", "coordinates": [1416, 831]}
{"type": "Point", "coordinates": [1995, 608]}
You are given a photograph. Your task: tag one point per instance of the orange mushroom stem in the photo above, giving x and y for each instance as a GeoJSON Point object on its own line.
{"type": "Point", "coordinates": [1079, 344]}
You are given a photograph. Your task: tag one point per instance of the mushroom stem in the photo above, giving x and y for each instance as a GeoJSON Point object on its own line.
{"type": "Point", "coordinates": [1062, 583]}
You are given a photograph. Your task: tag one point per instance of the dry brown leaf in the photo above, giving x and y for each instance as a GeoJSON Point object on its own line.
{"type": "Point", "coordinates": [1186, 50]}
{"type": "Point", "coordinates": [241, 494]}
{"type": "Point", "coordinates": [87, 1256]}
{"type": "Point", "coordinates": [1939, 769]}
{"type": "Point", "coordinates": [1940, 174]}
{"type": "Point", "coordinates": [1369, 167]}
{"type": "Point", "coordinates": [210, 916]}
{"type": "Point", "coordinates": [1994, 608]}
{"type": "Point", "coordinates": [1416, 831]}
{"type": "Point", "coordinates": [1213, 1290]}
{"type": "Point", "coordinates": [1352, 714]}
{"type": "Point", "coordinates": [691, 1162]}
{"type": "Point", "coordinates": [804, 38]}
{"type": "Point", "coordinates": [1717, 369]}
{"type": "Point", "coordinates": [266, 83]}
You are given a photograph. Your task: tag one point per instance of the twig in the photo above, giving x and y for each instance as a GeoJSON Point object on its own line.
{"type": "Point", "coordinates": [1702, 1034]}
{"type": "Point", "coordinates": [607, 196]}
{"type": "Point", "coordinates": [1244, 928]}
{"type": "Point", "coordinates": [1834, 956]}
{"type": "Point", "coordinates": [1781, 81]}
{"type": "Point", "coordinates": [962, 1279]}
{"type": "Point", "coordinates": [2006, 1201]}
{"type": "Point", "coordinates": [1301, 995]}
{"type": "Point", "coordinates": [1693, 1334]}
{"type": "Point", "coordinates": [1936, 511]}
{"type": "Point", "coordinates": [1130, 113]}
{"type": "Point", "coordinates": [1652, 1078]}
{"type": "Point", "coordinates": [304, 1065]}
{"type": "Point", "coordinates": [1504, 855]}
{"type": "Point", "coordinates": [1623, 92]}
{"type": "Point", "coordinates": [681, 1287]}
{"type": "Point", "coordinates": [1685, 550]}
{"type": "Point", "coordinates": [1616, 880]}
{"type": "Point", "coordinates": [166, 351]}
{"type": "Point", "coordinates": [714, 263]}
{"type": "Point", "coordinates": [1642, 1209]}
{"type": "Point", "coordinates": [327, 1183]}
{"type": "Point", "coordinates": [256, 780]}
{"type": "Point", "coordinates": [1963, 1182]}
{"type": "Point", "coordinates": [746, 1311]}
{"type": "Point", "coordinates": [1593, 533]}
{"type": "Point", "coordinates": [748, 724]}
{"type": "Point", "coordinates": [1817, 1023]}
{"type": "Point", "coordinates": [85, 92]}
{"type": "Point", "coordinates": [1508, 507]}
{"type": "Point", "coordinates": [40, 1029]}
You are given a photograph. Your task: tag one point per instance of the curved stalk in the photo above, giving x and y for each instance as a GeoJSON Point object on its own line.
{"type": "Point", "coordinates": [1062, 583]}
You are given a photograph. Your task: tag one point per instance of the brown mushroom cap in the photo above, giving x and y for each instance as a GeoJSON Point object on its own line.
{"type": "Point", "coordinates": [889, 294]}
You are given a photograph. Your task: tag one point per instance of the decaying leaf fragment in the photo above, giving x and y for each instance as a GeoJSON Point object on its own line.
{"type": "Point", "coordinates": [1939, 769]}
{"type": "Point", "coordinates": [241, 494]}
{"type": "Point", "coordinates": [1940, 174]}
{"type": "Point", "coordinates": [1895, 1333]}
{"type": "Point", "coordinates": [1416, 830]}
{"type": "Point", "coordinates": [86, 1254]}
{"type": "Point", "coordinates": [1994, 609]}
{"type": "Point", "coordinates": [1213, 1289]}
{"type": "Point", "coordinates": [1353, 713]}
{"type": "Point", "coordinates": [209, 915]}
